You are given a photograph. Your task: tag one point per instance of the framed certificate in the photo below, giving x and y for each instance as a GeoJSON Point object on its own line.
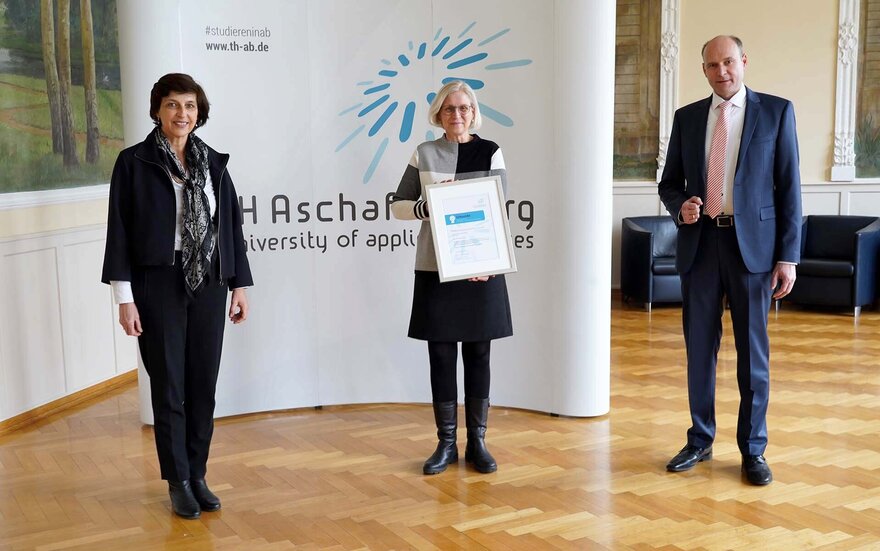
{"type": "Point", "coordinates": [470, 227]}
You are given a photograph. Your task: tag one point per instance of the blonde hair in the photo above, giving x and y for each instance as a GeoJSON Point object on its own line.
{"type": "Point", "coordinates": [443, 93]}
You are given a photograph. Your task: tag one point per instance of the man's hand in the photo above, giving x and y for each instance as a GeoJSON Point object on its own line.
{"type": "Point", "coordinates": [783, 277]}
{"type": "Point", "coordinates": [690, 211]}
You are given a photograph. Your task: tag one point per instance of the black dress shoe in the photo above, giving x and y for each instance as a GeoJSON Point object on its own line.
{"type": "Point", "coordinates": [757, 470]}
{"type": "Point", "coordinates": [688, 457]}
{"type": "Point", "coordinates": [183, 503]}
{"type": "Point", "coordinates": [206, 498]}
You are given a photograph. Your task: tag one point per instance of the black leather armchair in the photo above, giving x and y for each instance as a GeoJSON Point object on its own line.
{"type": "Point", "coordinates": [839, 258]}
{"type": "Point", "coordinates": [647, 260]}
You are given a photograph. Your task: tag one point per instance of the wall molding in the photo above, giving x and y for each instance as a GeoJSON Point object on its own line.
{"type": "Point", "coordinates": [670, 36]}
{"type": "Point", "coordinates": [68, 402]}
{"type": "Point", "coordinates": [25, 199]}
{"type": "Point", "coordinates": [98, 231]}
{"type": "Point", "coordinates": [844, 167]}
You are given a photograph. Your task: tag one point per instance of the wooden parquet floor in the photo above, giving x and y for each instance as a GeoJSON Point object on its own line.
{"type": "Point", "coordinates": [350, 477]}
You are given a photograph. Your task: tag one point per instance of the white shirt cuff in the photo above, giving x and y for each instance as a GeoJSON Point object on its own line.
{"type": "Point", "coordinates": [122, 292]}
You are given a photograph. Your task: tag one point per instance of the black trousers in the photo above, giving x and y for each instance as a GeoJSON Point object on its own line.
{"type": "Point", "coordinates": [180, 345]}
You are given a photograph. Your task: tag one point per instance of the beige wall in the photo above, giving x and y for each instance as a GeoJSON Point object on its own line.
{"type": "Point", "coordinates": [23, 221]}
{"type": "Point", "coordinates": [792, 51]}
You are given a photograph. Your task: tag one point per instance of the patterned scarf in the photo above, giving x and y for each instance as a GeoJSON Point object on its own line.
{"type": "Point", "coordinates": [197, 239]}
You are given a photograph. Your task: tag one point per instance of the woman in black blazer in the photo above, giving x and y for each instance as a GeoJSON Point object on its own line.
{"type": "Point", "coordinates": [174, 249]}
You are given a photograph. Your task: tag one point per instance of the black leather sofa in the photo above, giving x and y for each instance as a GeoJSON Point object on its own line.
{"type": "Point", "coordinates": [647, 260]}
{"type": "Point", "coordinates": [839, 259]}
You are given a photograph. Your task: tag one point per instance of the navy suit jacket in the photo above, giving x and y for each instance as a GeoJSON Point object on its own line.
{"type": "Point", "coordinates": [766, 187]}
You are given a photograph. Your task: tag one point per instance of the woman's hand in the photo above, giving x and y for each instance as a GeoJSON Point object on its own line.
{"type": "Point", "coordinates": [238, 309]}
{"type": "Point", "coordinates": [481, 279]}
{"type": "Point", "coordinates": [130, 319]}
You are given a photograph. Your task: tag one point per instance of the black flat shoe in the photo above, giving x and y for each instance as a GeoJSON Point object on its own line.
{"type": "Point", "coordinates": [206, 498]}
{"type": "Point", "coordinates": [183, 503]}
{"type": "Point", "coordinates": [757, 470]}
{"type": "Point", "coordinates": [688, 457]}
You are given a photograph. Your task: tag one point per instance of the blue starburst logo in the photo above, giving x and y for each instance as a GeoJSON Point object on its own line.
{"type": "Point", "coordinates": [377, 111]}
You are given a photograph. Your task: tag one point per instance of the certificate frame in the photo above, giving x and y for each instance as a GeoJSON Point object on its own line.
{"type": "Point", "coordinates": [470, 228]}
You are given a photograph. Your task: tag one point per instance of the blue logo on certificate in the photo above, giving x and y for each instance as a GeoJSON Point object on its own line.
{"type": "Point", "coordinates": [465, 217]}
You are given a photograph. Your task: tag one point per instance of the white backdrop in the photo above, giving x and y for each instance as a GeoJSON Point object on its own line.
{"type": "Point", "coordinates": [297, 91]}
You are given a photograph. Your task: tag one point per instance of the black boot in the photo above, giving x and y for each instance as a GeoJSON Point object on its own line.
{"type": "Point", "coordinates": [446, 419]}
{"type": "Point", "coordinates": [183, 503]}
{"type": "Point", "coordinates": [476, 412]}
{"type": "Point", "coordinates": [206, 498]}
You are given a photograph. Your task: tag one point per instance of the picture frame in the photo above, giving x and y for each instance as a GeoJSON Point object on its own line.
{"type": "Point", "coordinates": [470, 228]}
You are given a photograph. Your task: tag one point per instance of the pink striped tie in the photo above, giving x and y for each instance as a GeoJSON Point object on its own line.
{"type": "Point", "coordinates": [717, 161]}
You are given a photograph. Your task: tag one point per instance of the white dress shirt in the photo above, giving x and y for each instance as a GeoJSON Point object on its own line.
{"type": "Point", "coordinates": [736, 116]}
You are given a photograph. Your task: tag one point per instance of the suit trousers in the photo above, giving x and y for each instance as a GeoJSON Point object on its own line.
{"type": "Point", "coordinates": [718, 270]}
{"type": "Point", "coordinates": [180, 346]}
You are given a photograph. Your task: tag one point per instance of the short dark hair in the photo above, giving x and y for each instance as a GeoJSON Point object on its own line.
{"type": "Point", "coordinates": [736, 40]}
{"type": "Point", "coordinates": [182, 84]}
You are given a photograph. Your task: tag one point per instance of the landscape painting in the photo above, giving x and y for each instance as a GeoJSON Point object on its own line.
{"type": "Point", "coordinates": [637, 90]}
{"type": "Point", "coordinates": [60, 101]}
{"type": "Point", "coordinates": [868, 91]}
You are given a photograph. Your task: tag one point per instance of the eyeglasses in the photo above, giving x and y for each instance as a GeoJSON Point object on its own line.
{"type": "Point", "coordinates": [463, 110]}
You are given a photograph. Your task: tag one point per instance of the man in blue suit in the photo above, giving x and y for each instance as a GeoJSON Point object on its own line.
{"type": "Point", "coordinates": [732, 183]}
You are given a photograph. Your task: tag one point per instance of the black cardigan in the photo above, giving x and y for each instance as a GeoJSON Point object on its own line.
{"type": "Point", "coordinates": [141, 219]}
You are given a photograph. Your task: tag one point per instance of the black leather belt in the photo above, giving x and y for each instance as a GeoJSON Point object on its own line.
{"type": "Point", "coordinates": [722, 221]}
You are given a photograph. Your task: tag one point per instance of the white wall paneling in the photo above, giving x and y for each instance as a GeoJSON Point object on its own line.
{"type": "Point", "coordinates": [31, 346]}
{"type": "Point", "coordinates": [58, 333]}
{"type": "Point", "coordinates": [825, 202]}
{"type": "Point", "coordinates": [865, 202]}
{"type": "Point", "coordinates": [89, 354]}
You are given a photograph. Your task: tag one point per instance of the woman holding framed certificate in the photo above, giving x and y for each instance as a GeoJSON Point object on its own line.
{"type": "Point", "coordinates": [473, 311]}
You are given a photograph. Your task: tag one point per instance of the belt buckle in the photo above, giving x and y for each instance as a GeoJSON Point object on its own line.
{"type": "Point", "coordinates": [724, 221]}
